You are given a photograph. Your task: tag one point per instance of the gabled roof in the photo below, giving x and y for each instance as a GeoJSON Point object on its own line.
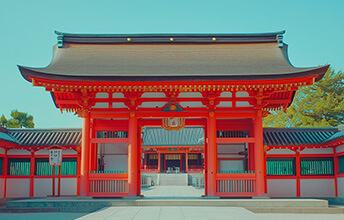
{"type": "Point", "coordinates": [46, 137]}
{"type": "Point", "coordinates": [170, 57]}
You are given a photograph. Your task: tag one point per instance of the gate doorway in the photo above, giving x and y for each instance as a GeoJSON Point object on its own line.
{"type": "Point", "coordinates": [172, 162]}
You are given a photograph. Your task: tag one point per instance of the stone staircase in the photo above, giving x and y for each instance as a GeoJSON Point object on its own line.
{"type": "Point", "coordinates": [172, 179]}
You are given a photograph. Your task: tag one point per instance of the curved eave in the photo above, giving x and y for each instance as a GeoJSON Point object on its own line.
{"type": "Point", "coordinates": [31, 72]}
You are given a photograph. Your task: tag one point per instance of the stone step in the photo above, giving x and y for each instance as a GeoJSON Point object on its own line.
{"type": "Point", "coordinates": [173, 179]}
{"type": "Point", "coordinates": [296, 210]}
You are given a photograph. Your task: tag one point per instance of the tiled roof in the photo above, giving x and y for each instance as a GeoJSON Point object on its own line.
{"type": "Point", "coordinates": [7, 137]}
{"type": "Point", "coordinates": [46, 137]}
{"type": "Point", "coordinates": [189, 136]}
{"type": "Point", "coordinates": [336, 136]}
{"type": "Point", "coordinates": [297, 136]}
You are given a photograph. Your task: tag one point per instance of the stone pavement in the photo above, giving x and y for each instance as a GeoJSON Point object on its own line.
{"type": "Point", "coordinates": [170, 212]}
{"type": "Point", "coordinates": [180, 192]}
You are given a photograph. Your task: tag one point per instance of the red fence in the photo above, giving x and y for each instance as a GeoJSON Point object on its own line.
{"type": "Point", "coordinates": [236, 184]}
{"type": "Point", "coordinates": [108, 184]}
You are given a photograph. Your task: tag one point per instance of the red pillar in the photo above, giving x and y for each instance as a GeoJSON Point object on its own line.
{"type": "Point", "coordinates": [186, 162]}
{"type": "Point", "coordinates": [132, 157]}
{"type": "Point", "coordinates": [335, 170]}
{"type": "Point", "coordinates": [85, 154]}
{"type": "Point", "coordinates": [211, 155]}
{"type": "Point", "coordinates": [159, 162]}
{"type": "Point", "coordinates": [32, 172]}
{"type": "Point", "coordinates": [259, 154]}
{"type": "Point", "coordinates": [298, 174]}
{"type": "Point", "coordinates": [5, 172]}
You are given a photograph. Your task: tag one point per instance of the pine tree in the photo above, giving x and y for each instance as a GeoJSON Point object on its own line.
{"type": "Point", "coordinates": [319, 105]}
{"type": "Point", "coordinates": [18, 120]}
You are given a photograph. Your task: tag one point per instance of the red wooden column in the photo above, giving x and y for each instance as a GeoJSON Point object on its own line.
{"type": "Point", "coordinates": [5, 168]}
{"type": "Point", "coordinates": [132, 156]}
{"type": "Point", "coordinates": [32, 173]}
{"type": "Point", "coordinates": [259, 154]}
{"type": "Point", "coordinates": [159, 162]}
{"type": "Point", "coordinates": [211, 155]}
{"type": "Point", "coordinates": [298, 174]}
{"type": "Point", "coordinates": [85, 154]}
{"type": "Point", "coordinates": [186, 162]}
{"type": "Point", "coordinates": [335, 170]}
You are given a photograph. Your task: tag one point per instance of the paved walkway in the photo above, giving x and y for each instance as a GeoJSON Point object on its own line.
{"type": "Point", "coordinates": [171, 192]}
{"type": "Point", "coordinates": [170, 212]}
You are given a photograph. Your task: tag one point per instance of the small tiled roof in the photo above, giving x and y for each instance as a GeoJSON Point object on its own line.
{"type": "Point", "coordinates": [336, 136]}
{"type": "Point", "coordinates": [297, 136]}
{"type": "Point", "coordinates": [7, 137]}
{"type": "Point", "coordinates": [46, 137]}
{"type": "Point", "coordinates": [189, 136]}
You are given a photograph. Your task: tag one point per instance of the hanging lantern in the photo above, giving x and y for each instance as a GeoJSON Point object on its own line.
{"type": "Point", "coordinates": [173, 124]}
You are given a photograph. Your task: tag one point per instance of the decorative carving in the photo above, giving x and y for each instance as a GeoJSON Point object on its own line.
{"type": "Point", "coordinates": [173, 124]}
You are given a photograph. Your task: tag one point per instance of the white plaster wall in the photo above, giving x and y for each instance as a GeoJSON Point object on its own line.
{"type": "Point", "coordinates": [317, 188]}
{"type": "Point", "coordinates": [231, 165]}
{"type": "Point", "coordinates": [102, 95]}
{"type": "Point", "coordinates": [225, 104]}
{"type": "Point", "coordinates": [153, 95]}
{"type": "Point", "coordinates": [317, 151]}
{"type": "Point", "coordinates": [69, 186]}
{"type": "Point", "coordinates": [117, 95]}
{"type": "Point", "coordinates": [190, 94]}
{"type": "Point", "coordinates": [340, 149]}
{"type": "Point", "coordinates": [2, 150]}
{"type": "Point", "coordinates": [340, 185]}
{"type": "Point", "coordinates": [115, 162]}
{"type": "Point", "coordinates": [280, 151]}
{"type": "Point", "coordinates": [230, 148]}
{"type": "Point", "coordinates": [152, 104]}
{"type": "Point", "coordinates": [101, 105]}
{"type": "Point", "coordinates": [242, 104]}
{"type": "Point", "coordinates": [43, 187]}
{"type": "Point", "coordinates": [18, 152]}
{"type": "Point", "coordinates": [118, 148]}
{"type": "Point", "coordinates": [119, 105]}
{"type": "Point", "coordinates": [65, 152]}
{"type": "Point", "coordinates": [226, 94]}
{"type": "Point", "coordinates": [242, 94]}
{"type": "Point", "coordinates": [191, 104]}
{"type": "Point", "coordinates": [281, 187]}
{"type": "Point", "coordinates": [18, 188]}
{"type": "Point", "coordinates": [2, 185]}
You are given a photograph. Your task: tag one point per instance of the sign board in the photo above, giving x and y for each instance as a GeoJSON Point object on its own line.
{"type": "Point", "coordinates": [55, 157]}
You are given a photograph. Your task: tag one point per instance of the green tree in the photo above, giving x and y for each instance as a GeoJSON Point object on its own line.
{"type": "Point", "coordinates": [18, 120]}
{"type": "Point", "coordinates": [319, 105]}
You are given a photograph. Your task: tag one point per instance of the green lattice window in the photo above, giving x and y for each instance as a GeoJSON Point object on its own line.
{"type": "Point", "coordinates": [317, 166]}
{"type": "Point", "coordinates": [341, 164]}
{"type": "Point", "coordinates": [280, 166]}
{"type": "Point", "coordinates": [19, 167]}
{"type": "Point", "coordinates": [68, 167]}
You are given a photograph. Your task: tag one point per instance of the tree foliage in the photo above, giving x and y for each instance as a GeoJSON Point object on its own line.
{"type": "Point", "coordinates": [18, 120]}
{"type": "Point", "coordinates": [319, 105]}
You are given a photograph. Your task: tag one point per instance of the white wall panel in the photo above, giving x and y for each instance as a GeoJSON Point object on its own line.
{"type": "Point", "coordinates": [225, 104]}
{"type": "Point", "coordinates": [69, 186]}
{"type": "Point", "coordinates": [281, 187]}
{"type": "Point", "coordinates": [280, 151]}
{"type": "Point", "coordinates": [17, 188]}
{"type": "Point", "coordinates": [116, 162]}
{"type": "Point", "coordinates": [317, 151]}
{"type": "Point", "coordinates": [317, 187]}
{"type": "Point", "coordinates": [340, 149]}
{"type": "Point", "coordinates": [2, 150]}
{"type": "Point", "coordinates": [2, 187]}
{"type": "Point", "coordinates": [340, 184]}
{"type": "Point", "coordinates": [153, 95]}
{"type": "Point", "coordinates": [43, 187]}
{"type": "Point", "coordinates": [119, 105]}
{"type": "Point", "coordinates": [231, 165]}
{"type": "Point", "coordinates": [18, 152]}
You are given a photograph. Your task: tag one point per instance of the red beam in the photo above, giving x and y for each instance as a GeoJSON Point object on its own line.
{"type": "Point", "coordinates": [235, 140]}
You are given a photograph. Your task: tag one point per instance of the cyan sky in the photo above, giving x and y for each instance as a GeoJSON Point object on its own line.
{"type": "Point", "coordinates": [315, 32]}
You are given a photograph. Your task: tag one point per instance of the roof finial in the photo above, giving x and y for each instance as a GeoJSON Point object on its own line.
{"type": "Point", "coordinates": [279, 39]}
{"type": "Point", "coordinates": [60, 41]}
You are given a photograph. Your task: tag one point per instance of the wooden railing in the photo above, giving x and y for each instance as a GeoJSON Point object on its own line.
{"type": "Point", "coordinates": [108, 184]}
{"type": "Point", "coordinates": [236, 184]}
